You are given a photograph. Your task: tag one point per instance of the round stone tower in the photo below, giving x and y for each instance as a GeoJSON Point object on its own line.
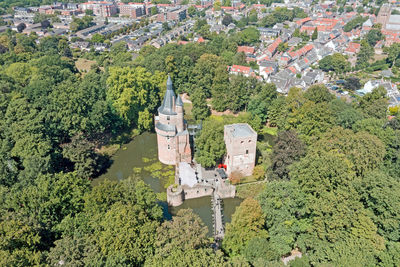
{"type": "Point", "coordinates": [172, 135]}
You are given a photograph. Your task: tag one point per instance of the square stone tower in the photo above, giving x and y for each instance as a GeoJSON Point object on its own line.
{"type": "Point", "coordinates": [240, 140]}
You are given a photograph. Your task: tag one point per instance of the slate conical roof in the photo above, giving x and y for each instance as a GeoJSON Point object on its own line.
{"type": "Point", "coordinates": [167, 107]}
{"type": "Point", "coordinates": [179, 101]}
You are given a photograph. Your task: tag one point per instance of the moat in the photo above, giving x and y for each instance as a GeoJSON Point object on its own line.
{"type": "Point", "coordinates": [133, 159]}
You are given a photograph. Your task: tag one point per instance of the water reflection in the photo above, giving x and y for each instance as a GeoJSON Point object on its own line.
{"type": "Point", "coordinates": [130, 158]}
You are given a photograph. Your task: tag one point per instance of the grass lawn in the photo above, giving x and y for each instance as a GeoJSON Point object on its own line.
{"type": "Point", "coordinates": [245, 180]}
{"type": "Point", "coordinates": [83, 64]}
{"type": "Point", "coordinates": [249, 190]}
{"type": "Point", "coordinates": [270, 130]}
{"type": "Point", "coordinates": [187, 107]}
{"type": "Point", "coordinates": [379, 57]}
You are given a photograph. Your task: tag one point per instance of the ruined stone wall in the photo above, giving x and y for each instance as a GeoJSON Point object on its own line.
{"type": "Point", "coordinates": [197, 191]}
{"type": "Point", "coordinates": [174, 196]}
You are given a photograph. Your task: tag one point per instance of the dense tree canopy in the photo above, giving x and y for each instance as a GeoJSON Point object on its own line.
{"type": "Point", "coordinates": [133, 90]}
{"type": "Point", "coordinates": [332, 172]}
{"type": "Point", "coordinates": [287, 149]}
{"type": "Point", "coordinates": [247, 224]}
{"type": "Point", "coordinates": [336, 62]}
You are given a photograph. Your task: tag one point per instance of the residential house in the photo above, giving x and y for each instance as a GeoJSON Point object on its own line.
{"type": "Point", "coordinates": [247, 50]}
{"type": "Point", "coordinates": [267, 68]}
{"type": "Point", "coordinates": [81, 45]}
{"type": "Point", "coordinates": [294, 41]}
{"type": "Point", "coordinates": [313, 77]}
{"type": "Point", "coordinates": [238, 69]}
{"type": "Point", "coordinates": [272, 48]}
{"type": "Point", "coordinates": [352, 48]}
{"type": "Point", "coordinates": [269, 32]}
{"type": "Point", "coordinates": [283, 80]}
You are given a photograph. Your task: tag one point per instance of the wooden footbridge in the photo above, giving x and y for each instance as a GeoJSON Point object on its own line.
{"type": "Point", "coordinates": [218, 223]}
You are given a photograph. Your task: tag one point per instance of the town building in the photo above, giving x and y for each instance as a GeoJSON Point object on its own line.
{"type": "Point", "coordinates": [100, 8]}
{"type": "Point", "coordinates": [175, 14]}
{"type": "Point", "coordinates": [132, 10]}
{"type": "Point", "coordinates": [238, 69]}
{"type": "Point", "coordinates": [240, 140]}
{"type": "Point", "coordinates": [171, 128]}
{"type": "Point", "coordinates": [383, 15]}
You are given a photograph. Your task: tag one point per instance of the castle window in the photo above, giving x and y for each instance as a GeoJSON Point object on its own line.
{"type": "Point", "coordinates": [168, 118]}
{"type": "Point", "coordinates": [168, 146]}
{"type": "Point", "coordinates": [241, 142]}
{"type": "Point", "coordinates": [249, 141]}
{"type": "Point", "coordinates": [247, 152]}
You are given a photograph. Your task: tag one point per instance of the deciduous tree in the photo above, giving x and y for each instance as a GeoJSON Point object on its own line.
{"type": "Point", "coordinates": [247, 223]}
{"type": "Point", "coordinates": [287, 149]}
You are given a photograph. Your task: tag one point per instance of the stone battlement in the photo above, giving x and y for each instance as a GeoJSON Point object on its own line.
{"type": "Point", "coordinates": [196, 184]}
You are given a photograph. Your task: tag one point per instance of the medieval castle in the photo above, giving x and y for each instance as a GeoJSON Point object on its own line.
{"type": "Point", "coordinates": [191, 179]}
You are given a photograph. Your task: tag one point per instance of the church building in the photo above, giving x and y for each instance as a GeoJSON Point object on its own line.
{"type": "Point", "coordinates": [171, 128]}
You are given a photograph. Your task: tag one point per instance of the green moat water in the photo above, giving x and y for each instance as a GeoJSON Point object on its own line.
{"type": "Point", "coordinates": [137, 156]}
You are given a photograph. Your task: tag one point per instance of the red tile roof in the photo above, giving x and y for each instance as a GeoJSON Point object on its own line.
{"type": "Point", "coordinates": [292, 69]}
{"type": "Point", "coordinates": [246, 49]}
{"type": "Point", "coordinates": [268, 70]}
{"type": "Point", "coordinates": [302, 21]}
{"type": "Point", "coordinates": [272, 47]}
{"type": "Point", "coordinates": [264, 57]}
{"type": "Point", "coordinates": [353, 48]}
{"type": "Point", "coordinates": [201, 40]}
{"type": "Point", "coordinates": [302, 51]}
{"type": "Point", "coordinates": [240, 69]}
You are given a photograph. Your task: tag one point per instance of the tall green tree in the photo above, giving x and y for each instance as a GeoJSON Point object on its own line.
{"type": "Point", "coordinates": [283, 204]}
{"type": "Point", "coordinates": [184, 239]}
{"type": "Point", "coordinates": [287, 149]}
{"type": "Point", "coordinates": [374, 36]}
{"type": "Point", "coordinates": [363, 150]}
{"type": "Point", "coordinates": [81, 153]}
{"type": "Point", "coordinates": [314, 35]}
{"type": "Point", "coordinates": [260, 103]}
{"type": "Point", "coordinates": [374, 104]}
{"type": "Point", "coordinates": [379, 194]}
{"type": "Point", "coordinates": [247, 223]}
{"type": "Point", "coordinates": [318, 94]}
{"type": "Point", "coordinates": [205, 72]}
{"type": "Point", "coordinates": [200, 108]}
{"type": "Point", "coordinates": [365, 54]}
{"type": "Point", "coordinates": [210, 143]}
{"type": "Point", "coordinates": [131, 90]}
